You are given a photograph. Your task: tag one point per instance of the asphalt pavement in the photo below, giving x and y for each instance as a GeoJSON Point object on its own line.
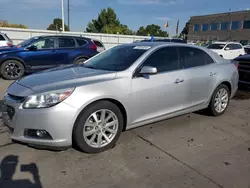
{"type": "Point", "coordinates": [194, 150]}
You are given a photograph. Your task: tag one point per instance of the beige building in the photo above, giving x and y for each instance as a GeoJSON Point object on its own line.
{"type": "Point", "coordinates": [233, 26]}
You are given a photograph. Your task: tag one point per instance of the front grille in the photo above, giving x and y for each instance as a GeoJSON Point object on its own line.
{"type": "Point", "coordinates": [16, 98]}
{"type": "Point", "coordinates": [10, 111]}
{"type": "Point", "coordinates": [244, 71]}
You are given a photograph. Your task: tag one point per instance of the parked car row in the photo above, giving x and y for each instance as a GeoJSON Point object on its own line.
{"type": "Point", "coordinates": [43, 52]}
{"type": "Point", "coordinates": [130, 85]}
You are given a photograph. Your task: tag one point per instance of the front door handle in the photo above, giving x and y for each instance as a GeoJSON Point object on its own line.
{"type": "Point", "coordinates": [178, 80]}
{"type": "Point", "coordinates": [212, 74]}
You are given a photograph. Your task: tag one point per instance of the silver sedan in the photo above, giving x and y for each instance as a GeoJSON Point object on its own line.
{"type": "Point", "coordinates": [125, 87]}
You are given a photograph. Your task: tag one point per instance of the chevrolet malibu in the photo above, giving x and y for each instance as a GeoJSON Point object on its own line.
{"type": "Point", "coordinates": [130, 85]}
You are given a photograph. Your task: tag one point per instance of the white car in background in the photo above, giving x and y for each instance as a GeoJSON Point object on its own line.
{"type": "Point", "coordinates": [5, 40]}
{"type": "Point", "coordinates": [227, 50]}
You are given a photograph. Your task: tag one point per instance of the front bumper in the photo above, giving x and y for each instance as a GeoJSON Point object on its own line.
{"type": "Point", "coordinates": [58, 121]}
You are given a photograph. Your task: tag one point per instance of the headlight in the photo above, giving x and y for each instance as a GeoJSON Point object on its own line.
{"type": "Point", "coordinates": [48, 99]}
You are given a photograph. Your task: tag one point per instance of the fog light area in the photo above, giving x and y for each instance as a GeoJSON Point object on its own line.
{"type": "Point", "coordinates": [37, 134]}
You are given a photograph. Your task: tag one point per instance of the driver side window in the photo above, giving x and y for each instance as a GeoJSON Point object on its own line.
{"type": "Point", "coordinates": [164, 59]}
{"type": "Point", "coordinates": [47, 43]}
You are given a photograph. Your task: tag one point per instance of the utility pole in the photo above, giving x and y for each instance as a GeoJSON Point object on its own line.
{"type": "Point", "coordinates": [62, 16]}
{"type": "Point", "coordinates": [68, 14]}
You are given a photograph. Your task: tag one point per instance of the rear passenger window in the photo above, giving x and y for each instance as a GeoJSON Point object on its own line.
{"type": "Point", "coordinates": [237, 47]}
{"type": "Point", "coordinates": [98, 44]}
{"type": "Point", "coordinates": [193, 57]}
{"type": "Point", "coordinates": [2, 38]}
{"type": "Point", "coordinates": [81, 42]}
{"type": "Point", "coordinates": [66, 42]}
{"type": "Point", "coordinates": [164, 59]}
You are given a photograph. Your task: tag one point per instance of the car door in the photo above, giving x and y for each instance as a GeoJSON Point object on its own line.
{"type": "Point", "coordinates": [239, 49]}
{"type": "Point", "coordinates": [161, 93]}
{"type": "Point", "coordinates": [66, 50]}
{"type": "Point", "coordinates": [230, 52]}
{"type": "Point", "coordinates": [201, 72]}
{"type": "Point", "coordinates": [44, 56]}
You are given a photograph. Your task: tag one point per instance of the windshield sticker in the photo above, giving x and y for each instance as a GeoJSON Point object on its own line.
{"type": "Point", "coordinates": [142, 47]}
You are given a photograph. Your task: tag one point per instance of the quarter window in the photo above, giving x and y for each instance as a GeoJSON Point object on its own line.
{"type": "Point", "coordinates": [193, 57]}
{"type": "Point", "coordinates": [44, 43]}
{"type": "Point", "coordinates": [164, 59]}
{"type": "Point", "coordinates": [2, 38]}
{"type": "Point", "coordinates": [98, 44]}
{"type": "Point", "coordinates": [81, 42]}
{"type": "Point", "coordinates": [66, 42]}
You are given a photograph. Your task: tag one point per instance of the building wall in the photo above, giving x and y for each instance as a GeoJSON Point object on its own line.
{"type": "Point", "coordinates": [109, 40]}
{"type": "Point", "coordinates": [237, 35]}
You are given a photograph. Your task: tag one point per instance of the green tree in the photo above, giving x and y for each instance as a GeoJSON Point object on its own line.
{"type": "Point", "coordinates": [152, 29]}
{"type": "Point", "coordinates": [107, 22]}
{"type": "Point", "coordinates": [6, 24]}
{"type": "Point", "coordinates": [57, 24]}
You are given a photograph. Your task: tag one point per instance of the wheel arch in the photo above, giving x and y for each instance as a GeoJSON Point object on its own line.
{"type": "Point", "coordinates": [112, 100]}
{"type": "Point", "coordinates": [14, 58]}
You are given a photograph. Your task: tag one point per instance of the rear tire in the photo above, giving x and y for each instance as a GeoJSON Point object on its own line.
{"type": "Point", "coordinates": [80, 61]}
{"type": "Point", "coordinates": [98, 127]}
{"type": "Point", "coordinates": [220, 100]}
{"type": "Point", "coordinates": [12, 69]}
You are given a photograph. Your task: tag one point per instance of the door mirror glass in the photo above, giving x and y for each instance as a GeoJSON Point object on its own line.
{"type": "Point", "coordinates": [148, 70]}
{"type": "Point", "coordinates": [32, 48]}
{"type": "Point", "coordinates": [227, 48]}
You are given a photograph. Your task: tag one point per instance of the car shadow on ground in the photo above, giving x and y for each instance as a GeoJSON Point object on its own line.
{"type": "Point", "coordinates": [243, 93]}
{"type": "Point", "coordinates": [8, 167]}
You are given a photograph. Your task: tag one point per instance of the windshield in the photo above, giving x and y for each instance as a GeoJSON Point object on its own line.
{"type": "Point", "coordinates": [26, 42]}
{"type": "Point", "coordinates": [117, 59]}
{"type": "Point", "coordinates": [216, 46]}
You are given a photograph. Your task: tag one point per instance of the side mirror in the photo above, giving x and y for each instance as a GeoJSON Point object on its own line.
{"type": "Point", "coordinates": [32, 48]}
{"type": "Point", "coordinates": [148, 70]}
{"type": "Point", "coordinates": [227, 48]}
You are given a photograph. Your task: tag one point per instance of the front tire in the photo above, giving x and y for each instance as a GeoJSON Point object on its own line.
{"type": "Point", "coordinates": [98, 127]}
{"type": "Point", "coordinates": [220, 100]}
{"type": "Point", "coordinates": [12, 70]}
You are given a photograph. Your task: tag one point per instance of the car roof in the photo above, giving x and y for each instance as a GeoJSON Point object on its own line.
{"type": "Point", "coordinates": [226, 43]}
{"type": "Point", "coordinates": [43, 36]}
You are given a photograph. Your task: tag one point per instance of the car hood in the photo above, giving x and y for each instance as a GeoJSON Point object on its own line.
{"type": "Point", "coordinates": [59, 78]}
{"type": "Point", "coordinates": [9, 49]}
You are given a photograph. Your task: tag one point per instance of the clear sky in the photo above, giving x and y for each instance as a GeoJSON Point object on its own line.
{"type": "Point", "coordinates": [38, 14]}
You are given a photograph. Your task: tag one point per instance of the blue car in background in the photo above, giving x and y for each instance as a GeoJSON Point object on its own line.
{"type": "Point", "coordinates": [44, 52]}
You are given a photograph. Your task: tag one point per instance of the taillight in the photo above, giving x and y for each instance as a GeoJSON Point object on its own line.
{"type": "Point", "coordinates": [236, 64]}
{"type": "Point", "coordinates": [10, 44]}
{"type": "Point", "coordinates": [93, 46]}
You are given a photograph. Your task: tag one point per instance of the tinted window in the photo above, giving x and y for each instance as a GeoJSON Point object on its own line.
{"type": "Point", "coordinates": [81, 42]}
{"type": "Point", "coordinates": [193, 57]}
{"type": "Point", "coordinates": [205, 27]}
{"type": "Point", "coordinates": [234, 46]}
{"type": "Point", "coordinates": [235, 25]}
{"type": "Point", "coordinates": [2, 38]}
{"type": "Point", "coordinates": [27, 42]}
{"type": "Point", "coordinates": [246, 24]}
{"type": "Point", "coordinates": [165, 59]}
{"type": "Point", "coordinates": [216, 46]}
{"type": "Point", "coordinates": [66, 42]}
{"type": "Point", "coordinates": [44, 43]}
{"type": "Point", "coordinates": [117, 59]}
{"type": "Point", "coordinates": [214, 26]}
{"type": "Point", "coordinates": [98, 44]}
{"type": "Point", "coordinates": [224, 26]}
{"type": "Point", "coordinates": [197, 27]}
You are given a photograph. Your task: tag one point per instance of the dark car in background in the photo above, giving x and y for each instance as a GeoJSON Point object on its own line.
{"type": "Point", "coordinates": [44, 52]}
{"type": "Point", "coordinates": [244, 69]}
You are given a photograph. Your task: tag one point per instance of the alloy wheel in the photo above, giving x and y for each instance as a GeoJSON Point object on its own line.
{"type": "Point", "coordinates": [13, 70]}
{"type": "Point", "coordinates": [100, 128]}
{"type": "Point", "coordinates": [221, 100]}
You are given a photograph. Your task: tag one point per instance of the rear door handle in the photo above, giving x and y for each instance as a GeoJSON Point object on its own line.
{"type": "Point", "coordinates": [178, 80]}
{"type": "Point", "coordinates": [212, 74]}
